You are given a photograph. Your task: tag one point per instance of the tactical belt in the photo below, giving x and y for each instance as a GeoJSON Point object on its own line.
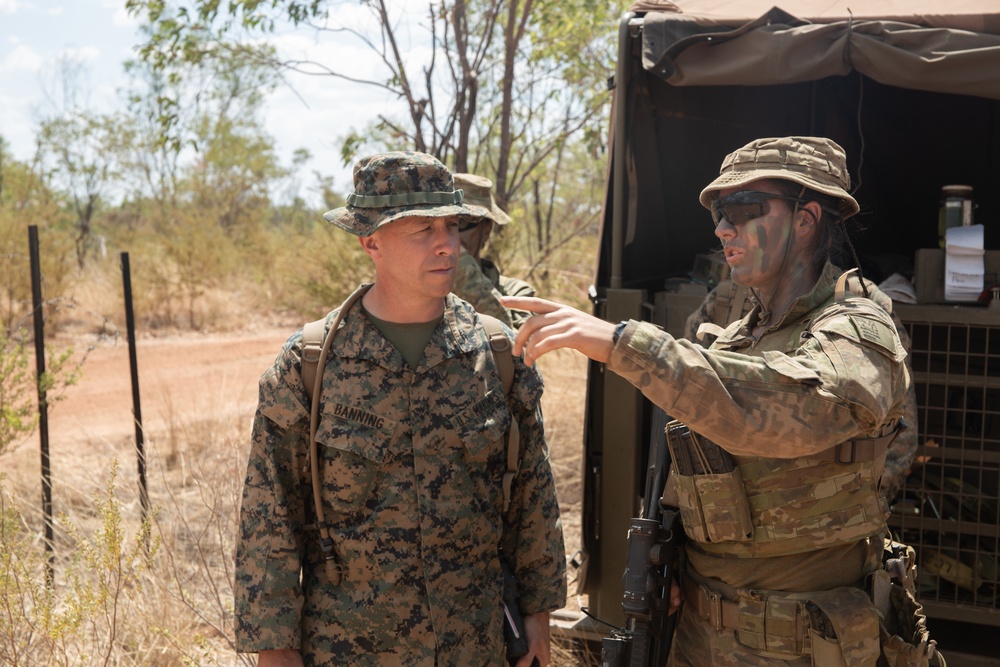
{"type": "Point", "coordinates": [709, 604]}
{"type": "Point", "coordinates": [765, 621]}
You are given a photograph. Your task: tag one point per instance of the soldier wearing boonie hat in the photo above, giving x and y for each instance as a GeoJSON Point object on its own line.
{"type": "Point", "coordinates": [478, 279]}
{"type": "Point", "coordinates": [390, 186]}
{"type": "Point", "coordinates": [394, 559]}
{"type": "Point", "coordinates": [786, 418]}
{"type": "Point", "coordinates": [816, 163]}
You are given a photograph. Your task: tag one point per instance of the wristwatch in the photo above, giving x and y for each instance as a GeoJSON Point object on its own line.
{"type": "Point", "coordinates": [619, 328]}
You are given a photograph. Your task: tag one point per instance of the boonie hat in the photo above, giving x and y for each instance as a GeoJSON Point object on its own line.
{"type": "Point", "coordinates": [815, 162]}
{"type": "Point", "coordinates": [401, 184]}
{"type": "Point", "coordinates": [479, 192]}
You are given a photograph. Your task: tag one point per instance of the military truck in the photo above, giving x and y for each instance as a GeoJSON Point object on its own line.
{"type": "Point", "coordinates": [911, 90]}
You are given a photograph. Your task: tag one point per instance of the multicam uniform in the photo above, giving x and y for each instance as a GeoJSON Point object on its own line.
{"type": "Point", "coordinates": [411, 462]}
{"type": "Point", "coordinates": [727, 302]}
{"type": "Point", "coordinates": [479, 282]}
{"type": "Point", "coordinates": [790, 534]}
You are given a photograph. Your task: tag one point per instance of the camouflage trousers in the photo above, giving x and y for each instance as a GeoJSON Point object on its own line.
{"type": "Point", "coordinates": [836, 628]}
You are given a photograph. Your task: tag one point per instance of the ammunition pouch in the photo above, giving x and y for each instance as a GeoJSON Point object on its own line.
{"type": "Point", "coordinates": [903, 633]}
{"type": "Point", "coordinates": [710, 493]}
{"type": "Point", "coordinates": [836, 628]}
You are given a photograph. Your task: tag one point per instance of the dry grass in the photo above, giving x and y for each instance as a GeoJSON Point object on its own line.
{"type": "Point", "coordinates": [177, 609]}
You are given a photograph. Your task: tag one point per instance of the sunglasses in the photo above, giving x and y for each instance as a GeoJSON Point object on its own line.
{"type": "Point", "coordinates": [468, 223]}
{"type": "Point", "coordinates": [745, 206]}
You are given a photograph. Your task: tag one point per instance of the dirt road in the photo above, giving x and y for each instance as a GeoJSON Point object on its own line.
{"type": "Point", "coordinates": [179, 376]}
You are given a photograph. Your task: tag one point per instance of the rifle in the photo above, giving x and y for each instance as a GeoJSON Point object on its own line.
{"type": "Point", "coordinates": [652, 545]}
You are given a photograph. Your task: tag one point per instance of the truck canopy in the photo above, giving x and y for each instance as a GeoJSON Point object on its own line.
{"type": "Point", "coordinates": [911, 90]}
{"type": "Point", "coordinates": [705, 43]}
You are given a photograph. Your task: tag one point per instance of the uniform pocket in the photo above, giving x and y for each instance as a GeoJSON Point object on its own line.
{"type": "Point", "coordinates": [482, 425]}
{"type": "Point", "coordinates": [351, 449]}
{"type": "Point", "coordinates": [714, 507]}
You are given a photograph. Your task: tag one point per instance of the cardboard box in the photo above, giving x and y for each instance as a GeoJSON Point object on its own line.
{"type": "Point", "coordinates": [671, 309]}
{"type": "Point", "coordinates": [928, 274]}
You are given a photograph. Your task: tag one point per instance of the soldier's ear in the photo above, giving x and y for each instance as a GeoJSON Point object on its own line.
{"type": "Point", "coordinates": [813, 212]}
{"type": "Point", "coordinates": [370, 244]}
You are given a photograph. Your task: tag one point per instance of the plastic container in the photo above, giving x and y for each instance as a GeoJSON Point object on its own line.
{"type": "Point", "coordinates": [956, 209]}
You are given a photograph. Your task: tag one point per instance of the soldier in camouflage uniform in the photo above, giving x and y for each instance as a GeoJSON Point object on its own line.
{"type": "Point", "coordinates": [478, 279]}
{"type": "Point", "coordinates": [728, 302]}
{"type": "Point", "coordinates": [790, 413]}
{"type": "Point", "coordinates": [411, 456]}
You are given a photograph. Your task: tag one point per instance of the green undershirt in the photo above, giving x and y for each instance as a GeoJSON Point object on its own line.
{"type": "Point", "coordinates": [410, 338]}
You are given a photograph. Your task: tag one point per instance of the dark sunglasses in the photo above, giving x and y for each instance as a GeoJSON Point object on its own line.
{"type": "Point", "coordinates": [468, 223]}
{"type": "Point", "coordinates": [744, 206]}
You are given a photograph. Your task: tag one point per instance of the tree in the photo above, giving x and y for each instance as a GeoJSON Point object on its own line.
{"type": "Point", "coordinates": [81, 149]}
{"type": "Point", "coordinates": [505, 85]}
{"type": "Point", "coordinates": [28, 198]}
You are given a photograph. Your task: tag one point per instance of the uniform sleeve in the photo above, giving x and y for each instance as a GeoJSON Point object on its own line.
{"type": "Point", "coordinates": [903, 450]}
{"type": "Point", "coordinates": [516, 287]}
{"type": "Point", "coordinates": [847, 378]}
{"type": "Point", "coordinates": [267, 593]}
{"type": "Point", "coordinates": [535, 540]}
{"type": "Point", "coordinates": [472, 285]}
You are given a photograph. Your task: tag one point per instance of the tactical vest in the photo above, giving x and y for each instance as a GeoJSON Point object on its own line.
{"type": "Point", "coordinates": [772, 507]}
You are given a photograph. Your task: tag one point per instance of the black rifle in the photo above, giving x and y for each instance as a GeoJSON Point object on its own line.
{"type": "Point", "coordinates": [652, 545]}
{"type": "Point", "coordinates": [513, 622]}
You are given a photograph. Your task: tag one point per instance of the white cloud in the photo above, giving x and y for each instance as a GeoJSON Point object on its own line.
{"type": "Point", "coordinates": [55, 11]}
{"type": "Point", "coordinates": [80, 54]}
{"type": "Point", "coordinates": [8, 6]}
{"type": "Point", "coordinates": [121, 19]}
{"type": "Point", "coordinates": [21, 58]}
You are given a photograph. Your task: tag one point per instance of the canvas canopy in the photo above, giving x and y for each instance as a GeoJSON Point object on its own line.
{"type": "Point", "coordinates": [905, 44]}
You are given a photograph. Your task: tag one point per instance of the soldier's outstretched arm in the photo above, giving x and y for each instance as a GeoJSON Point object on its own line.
{"type": "Point", "coordinates": [555, 325]}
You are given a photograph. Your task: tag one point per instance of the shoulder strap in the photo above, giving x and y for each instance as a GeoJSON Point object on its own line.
{"type": "Point", "coordinates": [504, 357]}
{"type": "Point", "coordinates": [313, 359]}
{"type": "Point", "coordinates": [312, 346]}
{"type": "Point", "coordinates": [500, 345]}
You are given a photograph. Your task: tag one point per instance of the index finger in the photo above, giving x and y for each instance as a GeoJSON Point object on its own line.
{"type": "Point", "coordinates": [530, 303]}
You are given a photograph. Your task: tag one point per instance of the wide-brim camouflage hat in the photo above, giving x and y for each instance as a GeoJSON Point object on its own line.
{"type": "Point", "coordinates": [479, 192]}
{"type": "Point", "coordinates": [401, 184]}
{"type": "Point", "coordinates": [815, 162]}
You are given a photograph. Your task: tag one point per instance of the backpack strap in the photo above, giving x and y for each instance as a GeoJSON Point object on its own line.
{"type": "Point", "coordinates": [312, 346]}
{"type": "Point", "coordinates": [504, 357]}
{"type": "Point", "coordinates": [312, 359]}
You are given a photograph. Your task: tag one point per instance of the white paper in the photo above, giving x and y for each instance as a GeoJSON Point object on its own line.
{"type": "Point", "coordinates": [963, 263]}
{"type": "Point", "coordinates": [964, 239]}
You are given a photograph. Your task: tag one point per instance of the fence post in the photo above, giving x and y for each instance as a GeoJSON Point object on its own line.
{"type": "Point", "coordinates": [43, 406]}
{"type": "Point", "coordinates": [134, 367]}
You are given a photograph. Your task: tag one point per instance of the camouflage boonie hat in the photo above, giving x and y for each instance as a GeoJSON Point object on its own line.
{"type": "Point", "coordinates": [479, 192]}
{"type": "Point", "coordinates": [402, 184]}
{"type": "Point", "coordinates": [815, 162]}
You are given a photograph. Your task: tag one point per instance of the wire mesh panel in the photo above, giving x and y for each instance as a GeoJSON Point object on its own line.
{"type": "Point", "coordinates": [948, 509]}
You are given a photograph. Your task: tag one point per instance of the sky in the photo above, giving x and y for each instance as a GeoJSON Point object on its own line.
{"type": "Point", "coordinates": [36, 35]}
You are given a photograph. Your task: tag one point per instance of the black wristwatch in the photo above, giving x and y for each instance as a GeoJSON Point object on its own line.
{"type": "Point", "coordinates": [619, 328]}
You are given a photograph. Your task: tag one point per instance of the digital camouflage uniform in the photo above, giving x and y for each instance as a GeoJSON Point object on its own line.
{"type": "Point", "coordinates": [720, 304]}
{"type": "Point", "coordinates": [411, 462]}
{"type": "Point", "coordinates": [477, 279]}
{"type": "Point", "coordinates": [479, 282]}
{"type": "Point", "coordinates": [825, 373]}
